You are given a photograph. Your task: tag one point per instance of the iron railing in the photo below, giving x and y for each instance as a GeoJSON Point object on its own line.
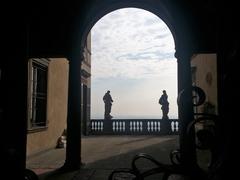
{"type": "Point", "coordinates": [206, 139]}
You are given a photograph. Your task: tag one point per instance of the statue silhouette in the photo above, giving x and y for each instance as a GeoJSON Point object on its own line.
{"type": "Point", "coordinates": [107, 98]}
{"type": "Point", "coordinates": [165, 104]}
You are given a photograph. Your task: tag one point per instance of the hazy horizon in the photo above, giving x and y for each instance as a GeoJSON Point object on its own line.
{"type": "Point", "coordinates": [135, 117]}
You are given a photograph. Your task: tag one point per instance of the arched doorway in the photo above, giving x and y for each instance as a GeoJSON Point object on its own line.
{"type": "Point", "coordinates": [184, 47]}
{"type": "Point", "coordinates": [132, 53]}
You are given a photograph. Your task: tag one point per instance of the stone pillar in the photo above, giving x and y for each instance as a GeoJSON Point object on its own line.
{"type": "Point", "coordinates": [13, 81]}
{"type": "Point", "coordinates": [185, 108]}
{"type": "Point", "coordinates": [73, 149]}
{"type": "Point", "coordinates": [84, 109]}
{"type": "Point", "coordinates": [228, 53]}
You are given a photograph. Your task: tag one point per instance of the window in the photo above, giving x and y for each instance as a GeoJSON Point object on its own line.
{"type": "Point", "coordinates": [38, 78]}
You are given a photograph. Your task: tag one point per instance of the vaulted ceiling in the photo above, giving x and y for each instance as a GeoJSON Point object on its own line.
{"type": "Point", "coordinates": [54, 26]}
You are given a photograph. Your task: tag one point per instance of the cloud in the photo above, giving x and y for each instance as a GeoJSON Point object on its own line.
{"type": "Point", "coordinates": [149, 55]}
{"type": "Point", "coordinates": [151, 21]}
{"type": "Point", "coordinates": [161, 36]}
{"type": "Point", "coordinates": [131, 45]}
{"type": "Point", "coordinates": [141, 69]}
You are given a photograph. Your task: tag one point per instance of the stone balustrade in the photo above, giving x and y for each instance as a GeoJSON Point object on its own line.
{"type": "Point", "coordinates": [134, 127]}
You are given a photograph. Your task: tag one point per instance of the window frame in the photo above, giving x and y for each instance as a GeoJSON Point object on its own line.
{"type": "Point", "coordinates": [41, 63]}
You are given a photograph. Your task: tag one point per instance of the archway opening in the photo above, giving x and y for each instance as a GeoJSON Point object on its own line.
{"type": "Point", "coordinates": [132, 55]}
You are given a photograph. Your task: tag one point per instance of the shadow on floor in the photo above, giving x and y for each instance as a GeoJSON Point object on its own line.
{"type": "Point", "coordinates": [101, 169]}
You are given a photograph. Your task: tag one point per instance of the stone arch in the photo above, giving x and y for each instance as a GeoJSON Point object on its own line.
{"type": "Point", "coordinates": [176, 22]}
{"type": "Point", "coordinates": [175, 18]}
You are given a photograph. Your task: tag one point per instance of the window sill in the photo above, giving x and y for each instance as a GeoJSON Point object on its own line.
{"type": "Point", "coordinates": [37, 129]}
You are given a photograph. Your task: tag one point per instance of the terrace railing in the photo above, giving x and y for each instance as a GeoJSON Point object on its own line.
{"type": "Point", "coordinates": [134, 127]}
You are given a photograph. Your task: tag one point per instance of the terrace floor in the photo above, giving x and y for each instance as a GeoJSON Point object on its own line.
{"type": "Point", "coordinates": [102, 154]}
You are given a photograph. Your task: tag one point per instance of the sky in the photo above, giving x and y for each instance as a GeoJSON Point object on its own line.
{"type": "Point", "coordinates": [133, 57]}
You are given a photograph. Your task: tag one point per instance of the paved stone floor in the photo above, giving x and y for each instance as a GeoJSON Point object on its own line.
{"type": "Point", "coordinates": [102, 154]}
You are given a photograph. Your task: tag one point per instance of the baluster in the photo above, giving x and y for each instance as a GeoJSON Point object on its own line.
{"type": "Point", "coordinates": [151, 126]}
{"type": "Point", "coordinates": [113, 126]}
{"type": "Point", "coordinates": [159, 126]}
{"type": "Point", "coordinates": [172, 126]}
{"type": "Point", "coordinates": [95, 126]}
{"type": "Point", "coordinates": [148, 126]}
{"type": "Point", "coordinates": [92, 127]}
{"type": "Point", "coordinates": [177, 126]}
{"type": "Point", "coordinates": [131, 126]}
{"type": "Point", "coordinates": [117, 126]}
{"type": "Point", "coordinates": [155, 126]}
{"type": "Point", "coordinates": [123, 126]}
{"type": "Point", "coordinates": [137, 126]}
{"type": "Point", "coordinates": [101, 126]}
{"type": "Point", "coordinates": [120, 126]}
{"type": "Point", "coordinates": [141, 126]}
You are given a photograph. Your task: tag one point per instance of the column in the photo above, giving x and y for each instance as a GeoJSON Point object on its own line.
{"type": "Point", "coordinates": [14, 78]}
{"type": "Point", "coordinates": [73, 149]}
{"type": "Point", "coordinates": [185, 107]}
